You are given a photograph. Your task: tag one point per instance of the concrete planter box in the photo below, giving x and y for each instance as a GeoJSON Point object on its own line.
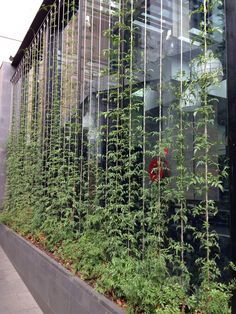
{"type": "Point", "coordinates": [54, 288]}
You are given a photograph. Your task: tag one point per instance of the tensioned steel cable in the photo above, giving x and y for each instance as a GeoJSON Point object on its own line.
{"type": "Point", "coordinates": [64, 52]}
{"type": "Point", "coordinates": [29, 98]}
{"type": "Point", "coordinates": [70, 74]}
{"type": "Point", "coordinates": [39, 97]}
{"type": "Point", "coordinates": [10, 38]}
{"type": "Point", "coordinates": [78, 119]}
{"type": "Point", "coordinates": [59, 68]}
{"type": "Point", "coordinates": [17, 84]}
{"type": "Point", "coordinates": [66, 104]}
{"type": "Point", "coordinates": [83, 101]}
{"type": "Point", "coordinates": [108, 105]}
{"type": "Point", "coordinates": [22, 101]}
{"type": "Point", "coordinates": [119, 91]}
{"type": "Point", "coordinates": [45, 95]}
{"type": "Point", "coordinates": [28, 95]}
{"type": "Point", "coordinates": [98, 135]}
{"type": "Point", "coordinates": [90, 126]}
{"type": "Point", "coordinates": [160, 125]}
{"type": "Point", "coordinates": [144, 124]}
{"type": "Point", "coordinates": [59, 82]}
{"type": "Point", "coordinates": [73, 110]}
{"type": "Point", "coordinates": [52, 76]}
{"type": "Point", "coordinates": [54, 98]}
{"type": "Point", "coordinates": [13, 114]}
{"type": "Point", "coordinates": [130, 107]}
{"type": "Point", "coordinates": [48, 105]}
{"type": "Point", "coordinates": [181, 131]}
{"type": "Point", "coordinates": [38, 90]}
{"type": "Point", "coordinates": [35, 86]}
{"type": "Point", "coordinates": [53, 106]}
{"type": "Point", "coordinates": [76, 97]}
{"type": "Point", "coordinates": [206, 153]}
{"type": "Point", "coordinates": [71, 26]}
{"type": "Point", "coordinates": [23, 97]}
{"type": "Point", "coordinates": [16, 80]}
{"type": "Point", "coordinates": [25, 104]}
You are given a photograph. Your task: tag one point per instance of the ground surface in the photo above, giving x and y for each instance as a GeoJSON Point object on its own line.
{"type": "Point", "coordinates": [15, 298]}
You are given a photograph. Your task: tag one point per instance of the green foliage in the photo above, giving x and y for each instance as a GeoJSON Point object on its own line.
{"type": "Point", "coordinates": [96, 209]}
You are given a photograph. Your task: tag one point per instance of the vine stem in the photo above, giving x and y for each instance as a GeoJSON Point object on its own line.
{"type": "Point", "coordinates": [181, 144]}
{"type": "Point", "coordinates": [206, 148]}
{"type": "Point", "coordinates": [160, 131]}
{"type": "Point", "coordinates": [144, 124]}
{"type": "Point", "coordinates": [90, 129]}
{"type": "Point", "coordinates": [130, 108]}
{"type": "Point", "coordinates": [73, 110]}
{"type": "Point", "coordinates": [83, 97]}
{"type": "Point", "coordinates": [107, 109]}
{"type": "Point", "coordinates": [98, 95]}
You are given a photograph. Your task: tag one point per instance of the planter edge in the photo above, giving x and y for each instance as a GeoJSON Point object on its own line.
{"type": "Point", "coordinates": [55, 289]}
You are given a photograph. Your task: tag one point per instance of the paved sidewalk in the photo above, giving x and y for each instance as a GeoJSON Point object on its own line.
{"type": "Point", "coordinates": [15, 298]}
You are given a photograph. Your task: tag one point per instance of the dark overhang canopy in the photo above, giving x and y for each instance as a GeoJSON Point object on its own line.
{"type": "Point", "coordinates": [34, 27]}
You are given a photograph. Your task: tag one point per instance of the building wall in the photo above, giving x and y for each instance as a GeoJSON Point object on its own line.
{"type": "Point", "coordinates": [6, 72]}
{"type": "Point", "coordinates": [108, 106]}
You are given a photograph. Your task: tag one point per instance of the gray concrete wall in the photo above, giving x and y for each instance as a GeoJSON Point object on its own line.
{"type": "Point", "coordinates": [6, 72]}
{"type": "Point", "coordinates": [54, 288]}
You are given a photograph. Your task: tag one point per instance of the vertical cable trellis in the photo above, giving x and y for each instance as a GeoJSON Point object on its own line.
{"type": "Point", "coordinates": [78, 111]}
{"type": "Point", "coordinates": [37, 90]}
{"type": "Point", "coordinates": [86, 142]}
{"type": "Point", "coordinates": [48, 100]}
{"type": "Point", "coordinates": [206, 152]}
{"type": "Point", "coordinates": [66, 103]}
{"type": "Point", "coordinates": [90, 124]}
{"type": "Point", "coordinates": [45, 116]}
{"type": "Point", "coordinates": [131, 51]}
{"type": "Point", "coordinates": [81, 189]}
{"type": "Point", "coordinates": [71, 43]}
{"type": "Point", "coordinates": [159, 205]}
{"type": "Point", "coordinates": [98, 135]}
{"type": "Point", "coordinates": [118, 101]}
{"type": "Point", "coordinates": [52, 92]}
{"type": "Point", "coordinates": [144, 126]}
{"type": "Point", "coordinates": [77, 119]}
{"type": "Point", "coordinates": [181, 139]}
{"type": "Point", "coordinates": [72, 97]}
{"type": "Point", "coordinates": [108, 104]}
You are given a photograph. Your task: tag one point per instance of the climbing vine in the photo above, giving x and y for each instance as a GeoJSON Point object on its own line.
{"type": "Point", "coordinates": [101, 181]}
